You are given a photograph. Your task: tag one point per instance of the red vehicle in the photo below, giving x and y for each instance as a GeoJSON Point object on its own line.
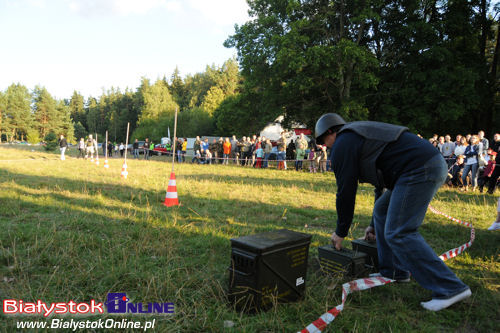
{"type": "Point", "coordinates": [160, 150]}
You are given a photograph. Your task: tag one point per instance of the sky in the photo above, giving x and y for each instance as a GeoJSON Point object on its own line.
{"type": "Point", "coordinates": [93, 45]}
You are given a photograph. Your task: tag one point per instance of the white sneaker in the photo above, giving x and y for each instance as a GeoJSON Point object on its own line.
{"type": "Point", "coordinates": [440, 304]}
{"type": "Point", "coordinates": [495, 226]}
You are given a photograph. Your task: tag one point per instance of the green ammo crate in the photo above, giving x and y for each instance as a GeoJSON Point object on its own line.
{"type": "Point", "coordinates": [344, 262]}
{"type": "Point", "coordinates": [267, 268]}
{"type": "Point", "coordinates": [370, 248]}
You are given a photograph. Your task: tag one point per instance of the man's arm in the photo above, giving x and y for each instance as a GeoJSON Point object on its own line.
{"type": "Point", "coordinates": [346, 153]}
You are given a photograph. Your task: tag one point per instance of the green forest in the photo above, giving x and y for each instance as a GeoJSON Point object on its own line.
{"type": "Point", "coordinates": [430, 65]}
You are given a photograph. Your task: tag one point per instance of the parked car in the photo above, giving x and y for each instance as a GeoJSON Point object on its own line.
{"type": "Point", "coordinates": [160, 150]}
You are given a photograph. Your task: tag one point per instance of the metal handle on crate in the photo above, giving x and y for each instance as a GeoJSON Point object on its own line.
{"type": "Point", "coordinates": [239, 272]}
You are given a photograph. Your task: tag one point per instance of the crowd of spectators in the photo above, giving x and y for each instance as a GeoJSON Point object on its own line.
{"type": "Point", "coordinates": [473, 162]}
{"type": "Point", "coordinates": [257, 152]}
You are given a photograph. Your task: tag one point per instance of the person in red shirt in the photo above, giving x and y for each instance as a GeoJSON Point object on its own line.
{"type": "Point", "coordinates": [488, 170]}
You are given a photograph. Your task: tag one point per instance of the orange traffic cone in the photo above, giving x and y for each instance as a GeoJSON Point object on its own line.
{"type": "Point", "coordinates": [171, 198]}
{"type": "Point", "coordinates": [124, 171]}
{"type": "Point", "coordinates": [106, 165]}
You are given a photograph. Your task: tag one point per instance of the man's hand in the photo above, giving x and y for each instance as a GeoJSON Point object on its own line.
{"type": "Point", "coordinates": [370, 234]}
{"type": "Point", "coordinates": [337, 241]}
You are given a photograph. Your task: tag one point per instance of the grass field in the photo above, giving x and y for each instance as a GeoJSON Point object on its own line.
{"type": "Point", "coordinates": [72, 230]}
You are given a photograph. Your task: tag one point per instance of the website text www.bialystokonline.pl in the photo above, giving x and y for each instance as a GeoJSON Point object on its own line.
{"type": "Point", "coordinates": [74, 325]}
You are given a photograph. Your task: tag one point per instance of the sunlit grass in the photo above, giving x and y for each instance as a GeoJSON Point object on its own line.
{"type": "Point", "coordinates": [72, 230]}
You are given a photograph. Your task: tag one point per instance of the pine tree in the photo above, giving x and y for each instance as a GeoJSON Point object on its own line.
{"type": "Point", "coordinates": [18, 110]}
{"type": "Point", "coordinates": [77, 109]}
{"type": "Point", "coordinates": [66, 125]}
{"type": "Point", "coordinates": [4, 120]}
{"type": "Point", "coordinates": [46, 114]}
{"type": "Point", "coordinates": [92, 115]}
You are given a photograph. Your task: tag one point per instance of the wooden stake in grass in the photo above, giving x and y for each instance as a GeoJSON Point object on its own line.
{"type": "Point", "coordinates": [126, 142]}
{"type": "Point", "coordinates": [106, 165]}
{"type": "Point", "coordinates": [124, 167]}
{"type": "Point", "coordinates": [96, 150]}
{"type": "Point", "coordinates": [175, 139]}
{"type": "Point", "coordinates": [171, 198]}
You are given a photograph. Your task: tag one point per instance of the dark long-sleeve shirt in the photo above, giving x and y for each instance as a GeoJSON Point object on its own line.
{"type": "Point", "coordinates": [407, 153]}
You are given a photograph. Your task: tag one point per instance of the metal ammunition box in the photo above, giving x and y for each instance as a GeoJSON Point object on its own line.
{"type": "Point", "coordinates": [268, 268]}
{"type": "Point", "coordinates": [344, 262]}
{"type": "Point", "coordinates": [370, 248]}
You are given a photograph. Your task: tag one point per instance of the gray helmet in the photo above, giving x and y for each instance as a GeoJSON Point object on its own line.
{"type": "Point", "coordinates": [327, 121]}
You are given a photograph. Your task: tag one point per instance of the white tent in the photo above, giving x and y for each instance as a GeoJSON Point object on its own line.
{"type": "Point", "coordinates": [274, 129]}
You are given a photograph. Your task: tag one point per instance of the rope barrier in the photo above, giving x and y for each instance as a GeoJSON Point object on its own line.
{"type": "Point", "coordinates": [240, 159]}
{"type": "Point", "coordinates": [362, 284]}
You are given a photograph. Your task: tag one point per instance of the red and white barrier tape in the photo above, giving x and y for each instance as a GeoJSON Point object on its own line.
{"type": "Point", "coordinates": [456, 251]}
{"type": "Point", "coordinates": [362, 284]}
{"type": "Point", "coordinates": [356, 285]}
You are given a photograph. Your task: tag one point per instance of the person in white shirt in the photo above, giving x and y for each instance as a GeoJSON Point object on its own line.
{"type": "Point", "coordinates": [448, 150]}
{"type": "Point", "coordinates": [122, 149]}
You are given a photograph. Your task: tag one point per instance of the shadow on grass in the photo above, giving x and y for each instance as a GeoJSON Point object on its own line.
{"type": "Point", "coordinates": [157, 253]}
{"type": "Point", "coordinates": [322, 183]}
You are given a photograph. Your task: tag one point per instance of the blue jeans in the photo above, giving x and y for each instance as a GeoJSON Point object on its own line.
{"type": "Point", "coordinates": [473, 179]}
{"type": "Point", "coordinates": [281, 156]}
{"type": "Point", "coordinates": [136, 153]}
{"type": "Point", "coordinates": [266, 160]}
{"type": "Point", "coordinates": [179, 156]}
{"type": "Point", "coordinates": [401, 249]}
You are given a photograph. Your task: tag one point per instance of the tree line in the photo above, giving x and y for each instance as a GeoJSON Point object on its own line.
{"type": "Point", "coordinates": [30, 116]}
{"type": "Point", "coordinates": [431, 65]}
{"type": "Point", "coordinates": [150, 109]}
